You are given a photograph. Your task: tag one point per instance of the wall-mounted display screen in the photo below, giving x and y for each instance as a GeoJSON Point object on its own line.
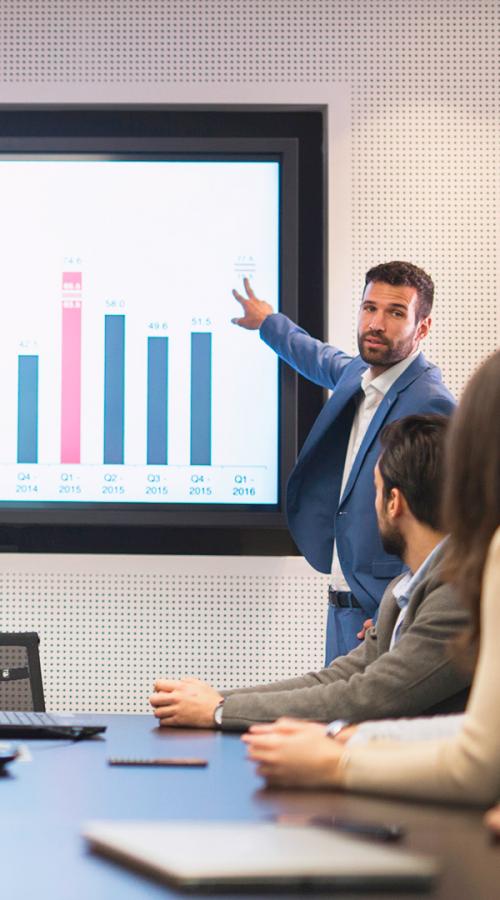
{"type": "Point", "coordinates": [135, 417]}
{"type": "Point", "coordinates": [129, 397]}
{"type": "Point", "coordinates": [123, 379]}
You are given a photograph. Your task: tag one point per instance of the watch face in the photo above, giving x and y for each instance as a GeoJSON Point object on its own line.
{"type": "Point", "coordinates": [218, 713]}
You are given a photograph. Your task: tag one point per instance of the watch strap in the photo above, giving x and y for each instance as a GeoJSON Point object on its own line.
{"type": "Point", "coordinates": [333, 728]}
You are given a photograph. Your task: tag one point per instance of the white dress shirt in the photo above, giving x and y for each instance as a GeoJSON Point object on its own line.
{"type": "Point", "coordinates": [374, 390]}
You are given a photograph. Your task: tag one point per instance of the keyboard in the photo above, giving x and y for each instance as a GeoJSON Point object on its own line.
{"type": "Point", "coordinates": [33, 719]}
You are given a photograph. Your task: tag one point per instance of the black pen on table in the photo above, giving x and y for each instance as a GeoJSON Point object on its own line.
{"type": "Point", "coordinates": [376, 830]}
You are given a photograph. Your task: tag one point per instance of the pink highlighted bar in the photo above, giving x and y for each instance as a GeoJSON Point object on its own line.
{"type": "Point", "coordinates": [71, 381]}
{"type": "Point", "coordinates": [72, 281]}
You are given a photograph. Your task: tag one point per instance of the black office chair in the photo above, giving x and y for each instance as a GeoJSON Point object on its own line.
{"type": "Point", "coordinates": [20, 674]}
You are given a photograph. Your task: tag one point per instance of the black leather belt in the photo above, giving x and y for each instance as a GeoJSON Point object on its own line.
{"type": "Point", "coordinates": [343, 599]}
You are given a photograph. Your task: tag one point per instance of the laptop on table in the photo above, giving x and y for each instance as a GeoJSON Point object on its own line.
{"type": "Point", "coordinates": [15, 724]}
{"type": "Point", "coordinates": [242, 855]}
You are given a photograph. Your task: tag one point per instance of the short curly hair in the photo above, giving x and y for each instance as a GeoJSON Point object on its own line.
{"type": "Point", "coordinates": [404, 273]}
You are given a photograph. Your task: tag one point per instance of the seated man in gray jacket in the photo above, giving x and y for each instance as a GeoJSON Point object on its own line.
{"type": "Point", "coordinates": [405, 665]}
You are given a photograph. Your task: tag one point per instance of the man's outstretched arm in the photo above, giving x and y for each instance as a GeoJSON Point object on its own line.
{"type": "Point", "coordinates": [315, 360]}
{"type": "Point", "coordinates": [189, 702]}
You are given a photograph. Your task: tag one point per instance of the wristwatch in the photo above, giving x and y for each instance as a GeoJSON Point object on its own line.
{"type": "Point", "coordinates": [218, 714]}
{"type": "Point", "coordinates": [333, 728]}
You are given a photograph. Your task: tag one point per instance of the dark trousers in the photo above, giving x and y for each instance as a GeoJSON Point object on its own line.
{"type": "Point", "coordinates": [342, 626]}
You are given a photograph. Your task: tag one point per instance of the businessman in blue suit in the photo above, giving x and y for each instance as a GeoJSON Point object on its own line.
{"type": "Point", "coordinates": [330, 493]}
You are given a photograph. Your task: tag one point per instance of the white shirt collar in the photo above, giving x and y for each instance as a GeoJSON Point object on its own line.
{"type": "Point", "coordinates": [383, 382]}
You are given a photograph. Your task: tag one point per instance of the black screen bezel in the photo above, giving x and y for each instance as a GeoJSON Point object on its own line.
{"type": "Point", "coordinates": [204, 529]}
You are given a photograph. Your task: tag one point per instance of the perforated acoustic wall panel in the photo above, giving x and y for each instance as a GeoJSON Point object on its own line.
{"type": "Point", "coordinates": [110, 625]}
{"type": "Point", "coordinates": [412, 95]}
{"type": "Point", "coordinates": [422, 127]}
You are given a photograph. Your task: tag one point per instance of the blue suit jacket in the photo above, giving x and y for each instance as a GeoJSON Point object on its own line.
{"type": "Point", "coordinates": [317, 514]}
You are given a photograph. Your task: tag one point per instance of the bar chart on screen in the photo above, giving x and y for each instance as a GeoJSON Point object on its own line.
{"type": "Point", "coordinates": [123, 377]}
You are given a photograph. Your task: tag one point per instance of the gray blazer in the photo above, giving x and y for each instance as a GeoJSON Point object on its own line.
{"type": "Point", "coordinates": [416, 677]}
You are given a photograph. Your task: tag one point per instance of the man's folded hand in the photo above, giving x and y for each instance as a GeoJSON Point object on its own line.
{"type": "Point", "coordinates": [185, 703]}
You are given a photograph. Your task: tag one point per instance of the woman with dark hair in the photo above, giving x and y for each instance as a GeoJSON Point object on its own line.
{"type": "Point", "coordinates": [464, 767]}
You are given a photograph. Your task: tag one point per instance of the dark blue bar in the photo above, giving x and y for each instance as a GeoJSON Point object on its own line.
{"type": "Point", "coordinates": [157, 428]}
{"type": "Point", "coordinates": [201, 399]}
{"type": "Point", "coordinates": [114, 388]}
{"type": "Point", "coordinates": [27, 410]}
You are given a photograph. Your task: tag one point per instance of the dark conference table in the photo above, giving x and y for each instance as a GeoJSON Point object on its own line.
{"type": "Point", "coordinates": [43, 804]}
